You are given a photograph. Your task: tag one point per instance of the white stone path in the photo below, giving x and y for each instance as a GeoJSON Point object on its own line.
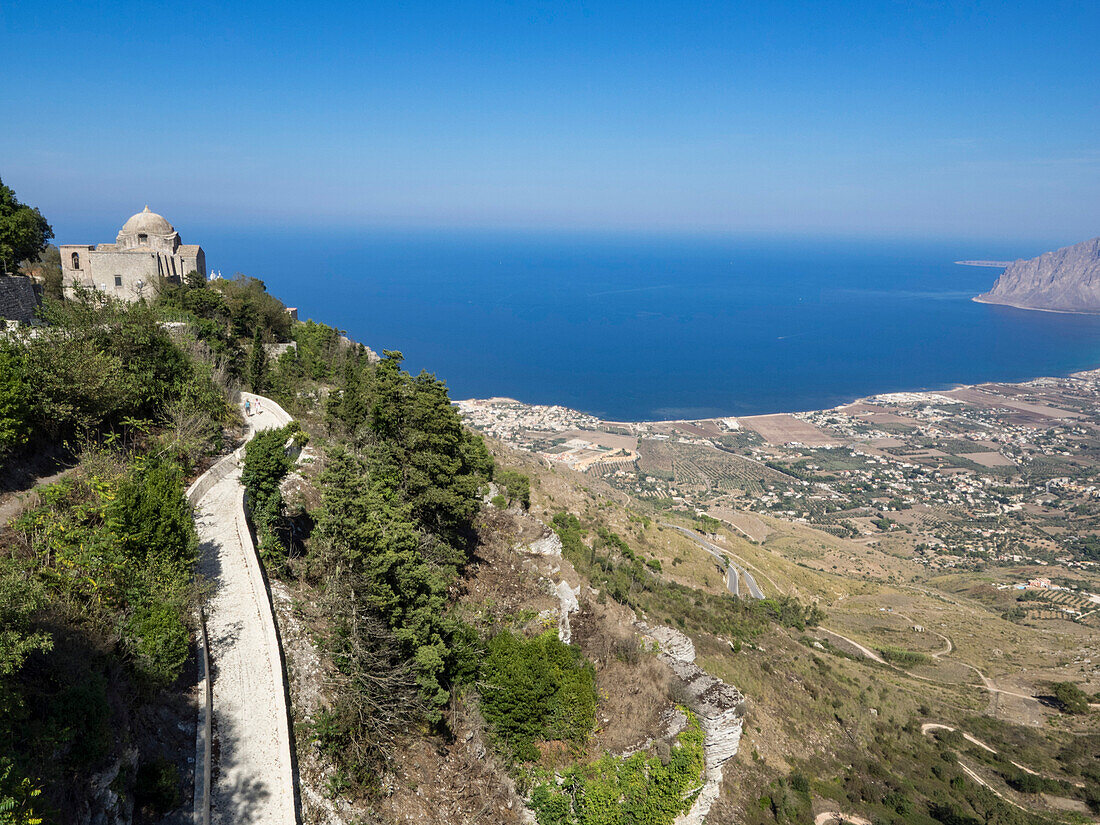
{"type": "Point", "coordinates": [253, 778]}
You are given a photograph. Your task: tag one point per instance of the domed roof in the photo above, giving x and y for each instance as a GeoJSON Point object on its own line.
{"type": "Point", "coordinates": [147, 223]}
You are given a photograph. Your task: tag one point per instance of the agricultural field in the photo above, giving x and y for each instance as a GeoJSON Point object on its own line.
{"type": "Point", "coordinates": [911, 534]}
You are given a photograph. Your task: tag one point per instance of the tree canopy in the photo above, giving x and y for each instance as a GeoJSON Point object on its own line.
{"type": "Point", "coordinates": [24, 232]}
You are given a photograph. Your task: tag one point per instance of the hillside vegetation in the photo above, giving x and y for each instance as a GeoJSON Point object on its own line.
{"type": "Point", "coordinates": [469, 633]}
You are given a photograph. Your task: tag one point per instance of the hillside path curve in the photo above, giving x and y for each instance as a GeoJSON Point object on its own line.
{"type": "Point", "coordinates": [252, 770]}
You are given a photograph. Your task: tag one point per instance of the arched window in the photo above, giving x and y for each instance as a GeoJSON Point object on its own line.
{"type": "Point", "coordinates": [76, 260]}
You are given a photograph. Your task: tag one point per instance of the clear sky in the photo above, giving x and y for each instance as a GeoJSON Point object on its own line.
{"type": "Point", "coordinates": [919, 118]}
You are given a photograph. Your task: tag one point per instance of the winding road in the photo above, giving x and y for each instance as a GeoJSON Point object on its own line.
{"type": "Point", "coordinates": [733, 571]}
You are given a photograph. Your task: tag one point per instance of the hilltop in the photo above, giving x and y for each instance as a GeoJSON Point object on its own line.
{"type": "Point", "coordinates": [1065, 280]}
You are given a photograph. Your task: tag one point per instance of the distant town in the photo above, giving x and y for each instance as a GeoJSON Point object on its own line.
{"type": "Point", "coordinates": [985, 477]}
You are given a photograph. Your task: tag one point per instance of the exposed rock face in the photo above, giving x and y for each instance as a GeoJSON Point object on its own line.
{"type": "Point", "coordinates": [548, 545]}
{"type": "Point", "coordinates": [1066, 279]}
{"type": "Point", "coordinates": [567, 599]}
{"type": "Point", "coordinates": [671, 643]}
{"type": "Point", "coordinates": [719, 706]}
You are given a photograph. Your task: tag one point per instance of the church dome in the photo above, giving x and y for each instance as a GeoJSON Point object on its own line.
{"type": "Point", "coordinates": [147, 223]}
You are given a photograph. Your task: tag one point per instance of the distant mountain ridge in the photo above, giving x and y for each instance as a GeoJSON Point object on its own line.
{"type": "Point", "coordinates": [1065, 280]}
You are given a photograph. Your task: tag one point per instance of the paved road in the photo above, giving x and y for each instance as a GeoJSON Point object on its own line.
{"type": "Point", "coordinates": [253, 779]}
{"type": "Point", "coordinates": [733, 570]}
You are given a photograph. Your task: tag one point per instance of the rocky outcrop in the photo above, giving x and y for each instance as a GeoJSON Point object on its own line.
{"type": "Point", "coordinates": [672, 645]}
{"type": "Point", "coordinates": [568, 603]}
{"type": "Point", "coordinates": [549, 544]}
{"type": "Point", "coordinates": [1066, 280]}
{"type": "Point", "coordinates": [720, 708]}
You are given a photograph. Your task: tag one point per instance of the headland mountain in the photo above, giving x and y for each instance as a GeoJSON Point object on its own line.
{"type": "Point", "coordinates": [1065, 280]}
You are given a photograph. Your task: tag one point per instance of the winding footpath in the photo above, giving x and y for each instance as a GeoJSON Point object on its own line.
{"type": "Point", "coordinates": [252, 772]}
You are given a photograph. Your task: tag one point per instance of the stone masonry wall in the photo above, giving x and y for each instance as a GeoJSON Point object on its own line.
{"type": "Point", "coordinates": [17, 298]}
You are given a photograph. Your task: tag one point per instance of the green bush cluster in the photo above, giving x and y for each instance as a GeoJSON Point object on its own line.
{"type": "Point", "coordinates": [266, 464]}
{"type": "Point", "coordinates": [121, 549]}
{"type": "Point", "coordinates": [236, 308]}
{"type": "Point", "coordinates": [516, 485]}
{"type": "Point", "coordinates": [905, 658]}
{"type": "Point", "coordinates": [98, 367]}
{"type": "Point", "coordinates": [788, 800]}
{"type": "Point", "coordinates": [636, 790]}
{"type": "Point", "coordinates": [534, 690]}
{"type": "Point", "coordinates": [1070, 697]}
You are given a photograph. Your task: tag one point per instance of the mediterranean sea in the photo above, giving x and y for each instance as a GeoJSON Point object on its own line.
{"type": "Point", "coordinates": [642, 328]}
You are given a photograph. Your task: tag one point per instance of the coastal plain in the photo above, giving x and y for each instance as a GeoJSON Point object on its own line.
{"type": "Point", "coordinates": [959, 526]}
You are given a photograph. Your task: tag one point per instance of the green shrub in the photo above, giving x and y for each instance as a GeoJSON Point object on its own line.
{"type": "Point", "coordinates": [633, 791]}
{"type": "Point", "coordinates": [15, 406]}
{"type": "Point", "coordinates": [152, 524]}
{"type": "Point", "coordinates": [266, 464]}
{"type": "Point", "coordinates": [161, 642]}
{"type": "Point", "coordinates": [1030, 783]}
{"type": "Point", "coordinates": [20, 596]}
{"type": "Point", "coordinates": [17, 795]}
{"type": "Point", "coordinates": [905, 658]}
{"type": "Point", "coordinates": [535, 690]}
{"type": "Point", "coordinates": [1070, 698]}
{"type": "Point", "coordinates": [516, 485]}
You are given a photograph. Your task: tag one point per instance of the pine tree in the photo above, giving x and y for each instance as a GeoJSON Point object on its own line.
{"type": "Point", "coordinates": [257, 364]}
{"type": "Point", "coordinates": [351, 403]}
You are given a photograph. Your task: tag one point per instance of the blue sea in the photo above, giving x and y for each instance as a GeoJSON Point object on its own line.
{"type": "Point", "coordinates": [642, 328]}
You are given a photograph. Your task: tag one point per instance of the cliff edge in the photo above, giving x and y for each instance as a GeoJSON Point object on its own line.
{"type": "Point", "coordinates": [1066, 280]}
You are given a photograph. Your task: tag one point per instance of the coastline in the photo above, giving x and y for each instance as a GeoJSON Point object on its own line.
{"type": "Point", "coordinates": [978, 299]}
{"type": "Point", "coordinates": [1076, 375]}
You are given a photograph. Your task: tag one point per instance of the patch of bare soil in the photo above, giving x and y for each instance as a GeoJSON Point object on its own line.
{"type": "Point", "coordinates": [634, 688]}
{"type": "Point", "coordinates": [450, 783]}
{"type": "Point", "coordinates": [500, 582]}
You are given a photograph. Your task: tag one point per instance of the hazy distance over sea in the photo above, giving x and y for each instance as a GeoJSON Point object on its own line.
{"type": "Point", "coordinates": [636, 328]}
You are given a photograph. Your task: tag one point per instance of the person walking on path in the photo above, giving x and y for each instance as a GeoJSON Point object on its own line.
{"type": "Point", "coordinates": [247, 407]}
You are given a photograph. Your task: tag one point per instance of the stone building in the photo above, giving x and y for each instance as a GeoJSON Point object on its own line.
{"type": "Point", "coordinates": [146, 253]}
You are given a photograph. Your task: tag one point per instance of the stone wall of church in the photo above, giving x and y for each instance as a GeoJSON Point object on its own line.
{"type": "Point", "coordinates": [126, 275]}
{"type": "Point", "coordinates": [193, 263]}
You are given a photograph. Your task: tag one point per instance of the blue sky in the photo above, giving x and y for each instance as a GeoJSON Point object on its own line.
{"type": "Point", "coordinates": [893, 119]}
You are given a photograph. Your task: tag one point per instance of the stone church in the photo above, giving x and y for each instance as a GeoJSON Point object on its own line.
{"type": "Point", "coordinates": [146, 253]}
